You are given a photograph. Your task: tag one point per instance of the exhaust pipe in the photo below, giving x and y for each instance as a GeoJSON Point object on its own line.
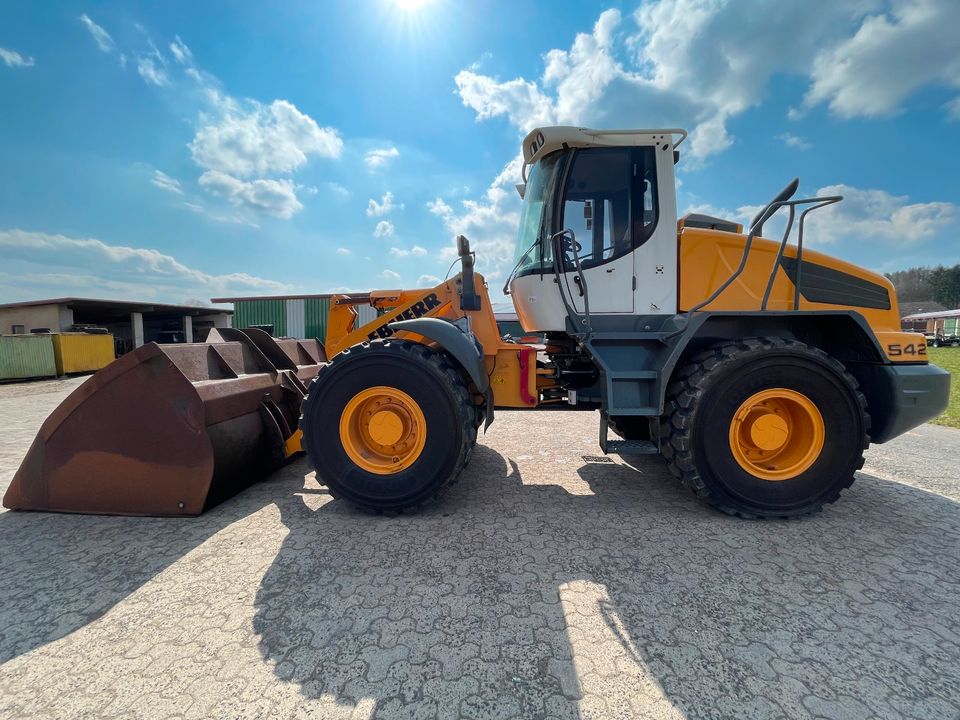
{"type": "Point", "coordinates": [171, 429]}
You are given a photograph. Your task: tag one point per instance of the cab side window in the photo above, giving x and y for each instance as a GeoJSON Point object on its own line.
{"type": "Point", "coordinates": [610, 202]}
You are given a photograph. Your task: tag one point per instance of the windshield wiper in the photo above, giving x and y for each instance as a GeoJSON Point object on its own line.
{"type": "Point", "coordinates": [506, 285]}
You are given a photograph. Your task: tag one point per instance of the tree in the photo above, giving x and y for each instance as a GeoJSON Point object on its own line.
{"type": "Point", "coordinates": [945, 283]}
{"type": "Point", "coordinates": [913, 284]}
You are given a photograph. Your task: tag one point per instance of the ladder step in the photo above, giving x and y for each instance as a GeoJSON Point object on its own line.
{"type": "Point", "coordinates": [628, 336]}
{"type": "Point", "coordinates": [633, 375]}
{"type": "Point", "coordinates": [631, 447]}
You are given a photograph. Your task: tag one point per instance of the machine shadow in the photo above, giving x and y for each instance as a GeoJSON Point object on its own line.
{"type": "Point", "coordinates": [520, 600]}
{"type": "Point", "coordinates": [60, 572]}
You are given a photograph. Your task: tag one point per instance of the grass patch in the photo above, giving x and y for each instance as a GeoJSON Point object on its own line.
{"type": "Point", "coordinates": [949, 359]}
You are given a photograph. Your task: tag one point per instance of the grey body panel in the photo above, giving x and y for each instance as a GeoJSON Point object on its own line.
{"type": "Point", "coordinates": [636, 355]}
{"type": "Point", "coordinates": [904, 396]}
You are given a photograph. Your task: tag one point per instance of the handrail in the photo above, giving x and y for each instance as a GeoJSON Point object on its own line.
{"type": "Point", "coordinates": [756, 227]}
{"type": "Point", "coordinates": [803, 216]}
{"type": "Point", "coordinates": [558, 270]}
{"type": "Point", "coordinates": [818, 202]}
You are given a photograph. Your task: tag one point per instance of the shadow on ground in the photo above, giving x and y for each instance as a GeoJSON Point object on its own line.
{"type": "Point", "coordinates": [514, 600]}
{"type": "Point", "coordinates": [59, 572]}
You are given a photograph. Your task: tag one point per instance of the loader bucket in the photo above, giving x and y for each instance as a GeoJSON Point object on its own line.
{"type": "Point", "coordinates": [171, 429]}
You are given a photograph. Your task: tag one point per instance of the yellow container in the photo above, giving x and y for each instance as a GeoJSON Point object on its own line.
{"type": "Point", "coordinates": [82, 352]}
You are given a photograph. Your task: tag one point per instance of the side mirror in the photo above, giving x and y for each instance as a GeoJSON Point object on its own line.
{"type": "Point", "coordinates": [469, 299]}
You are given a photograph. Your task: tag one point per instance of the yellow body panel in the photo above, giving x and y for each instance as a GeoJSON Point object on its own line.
{"type": "Point", "coordinates": [82, 352]}
{"type": "Point", "coordinates": [709, 257]}
{"type": "Point", "coordinates": [513, 377]}
{"type": "Point", "coordinates": [512, 367]}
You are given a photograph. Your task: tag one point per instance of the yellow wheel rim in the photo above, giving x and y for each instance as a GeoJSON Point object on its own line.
{"type": "Point", "coordinates": [776, 434]}
{"type": "Point", "coordinates": [383, 430]}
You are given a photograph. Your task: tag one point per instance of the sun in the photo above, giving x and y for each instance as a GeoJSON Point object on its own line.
{"type": "Point", "coordinates": [410, 5]}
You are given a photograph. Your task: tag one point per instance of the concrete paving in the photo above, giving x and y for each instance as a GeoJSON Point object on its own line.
{"type": "Point", "coordinates": [550, 583]}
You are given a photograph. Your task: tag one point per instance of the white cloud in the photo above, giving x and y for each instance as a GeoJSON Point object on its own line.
{"type": "Point", "coordinates": [520, 100]}
{"type": "Point", "coordinates": [439, 207]}
{"type": "Point", "coordinates": [220, 217]}
{"type": "Point", "coordinates": [274, 197]}
{"type": "Point", "coordinates": [876, 215]}
{"type": "Point", "coordinates": [681, 63]}
{"type": "Point", "coordinates": [490, 223]}
{"type": "Point", "coordinates": [427, 281]}
{"type": "Point", "coordinates": [953, 109]}
{"type": "Point", "coordinates": [14, 59]}
{"type": "Point", "coordinates": [585, 85]}
{"type": "Point", "coordinates": [384, 228]}
{"type": "Point", "coordinates": [794, 141]}
{"type": "Point", "coordinates": [251, 138]}
{"type": "Point", "coordinates": [101, 36]}
{"type": "Point", "coordinates": [74, 265]}
{"type": "Point", "coordinates": [337, 190]}
{"type": "Point", "coordinates": [891, 56]}
{"type": "Point", "coordinates": [151, 71]}
{"type": "Point", "coordinates": [415, 251]}
{"type": "Point", "coordinates": [378, 158]}
{"type": "Point", "coordinates": [180, 51]}
{"type": "Point", "coordinates": [863, 216]}
{"type": "Point", "coordinates": [165, 182]}
{"type": "Point", "coordinates": [343, 251]}
{"type": "Point", "coordinates": [390, 275]}
{"type": "Point", "coordinates": [384, 207]}
{"type": "Point", "coordinates": [241, 141]}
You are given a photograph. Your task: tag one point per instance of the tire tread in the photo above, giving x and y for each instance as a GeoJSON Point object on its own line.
{"type": "Point", "coordinates": [688, 386]}
{"type": "Point", "coordinates": [450, 376]}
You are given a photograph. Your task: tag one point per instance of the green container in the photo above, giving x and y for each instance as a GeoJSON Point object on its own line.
{"type": "Point", "coordinates": [315, 311]}
{"type": "Point", "coordinates": [247, 313]}
{"type": "Point", "coordinates": [27, 356]}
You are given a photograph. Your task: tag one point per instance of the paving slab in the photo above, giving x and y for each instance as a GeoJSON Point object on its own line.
{"type": "Point", "coordinates": [548, 583]}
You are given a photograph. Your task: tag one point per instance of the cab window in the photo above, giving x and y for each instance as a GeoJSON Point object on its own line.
{"type": "Point", "coordinates": [610, 202]}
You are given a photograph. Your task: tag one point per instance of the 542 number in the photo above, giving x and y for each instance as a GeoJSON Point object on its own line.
{"type": "Point", "coordinates": [898, 350]}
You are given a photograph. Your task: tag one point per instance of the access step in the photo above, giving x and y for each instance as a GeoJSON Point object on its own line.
{"type": "Point", "coordinates": [630, 447]}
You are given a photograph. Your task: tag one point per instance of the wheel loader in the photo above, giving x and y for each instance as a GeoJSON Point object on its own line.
{"type": "Point", "coordinates": [759, 369]}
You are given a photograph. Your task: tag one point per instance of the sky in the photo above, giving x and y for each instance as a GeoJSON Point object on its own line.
{"type": "Point", "coordinates": [180, 151]}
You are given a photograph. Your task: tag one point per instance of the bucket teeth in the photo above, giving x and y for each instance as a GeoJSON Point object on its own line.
{"type": "Point", "coordinates": [170, 429]}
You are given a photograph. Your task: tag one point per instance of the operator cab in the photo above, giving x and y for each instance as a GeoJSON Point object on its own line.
{"type": "Point", "coordinates": [613, 191]}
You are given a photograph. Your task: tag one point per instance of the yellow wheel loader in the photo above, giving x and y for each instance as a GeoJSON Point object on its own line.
{"type": "Point", "coordinates": [759, 369]}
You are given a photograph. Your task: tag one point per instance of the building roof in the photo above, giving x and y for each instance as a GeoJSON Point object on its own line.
{"type": "Point", "coordinates": [933, 315]}
{"type": "Point", "coordinates": [251, 298]}
{"type": "Point", "coordinates": [913, 307]}
{"type": "Point", "coordinates": [503, 310]}
{"type": "Point", "coordinates": [131, 305]}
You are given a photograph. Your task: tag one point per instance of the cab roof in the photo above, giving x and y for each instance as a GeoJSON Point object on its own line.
{"type": "Point", "coordinates": [543, 141]}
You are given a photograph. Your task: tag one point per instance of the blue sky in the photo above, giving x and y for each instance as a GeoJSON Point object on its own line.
{"type": "Point", "coordinates": [178, 151]}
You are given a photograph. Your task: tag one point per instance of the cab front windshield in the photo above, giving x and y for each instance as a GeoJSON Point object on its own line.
{"type": "Point", "coordinates": [532, 255]}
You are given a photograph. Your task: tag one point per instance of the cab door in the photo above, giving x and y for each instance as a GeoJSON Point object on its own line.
{"type": "Point", "coordinates": [600, 205]}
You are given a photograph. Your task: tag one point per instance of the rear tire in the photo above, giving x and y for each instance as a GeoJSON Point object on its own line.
{"type": "Point", "coordinates": [424, 377]}
{"type": "Point", "coordinates": [705, 408]}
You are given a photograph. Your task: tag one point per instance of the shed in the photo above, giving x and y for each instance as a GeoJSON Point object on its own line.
{"type": "Point", "coordinates": [298, 316]}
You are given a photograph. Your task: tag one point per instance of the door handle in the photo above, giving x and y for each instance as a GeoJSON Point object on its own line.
{"type": "Point", "coordinates": [576, 279]}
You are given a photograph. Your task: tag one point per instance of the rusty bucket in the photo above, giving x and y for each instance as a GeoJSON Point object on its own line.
{"type": "Point", "coordinates": [170, 429]}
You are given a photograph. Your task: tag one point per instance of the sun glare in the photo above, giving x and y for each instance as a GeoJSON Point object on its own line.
{"type": "Point", "coordinates": [410, 5]}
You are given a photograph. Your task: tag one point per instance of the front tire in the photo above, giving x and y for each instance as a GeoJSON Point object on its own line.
{"type": "Point", "coordinates": [388, 425]}
{"type": "Point", "coordinates": [765, 427]}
